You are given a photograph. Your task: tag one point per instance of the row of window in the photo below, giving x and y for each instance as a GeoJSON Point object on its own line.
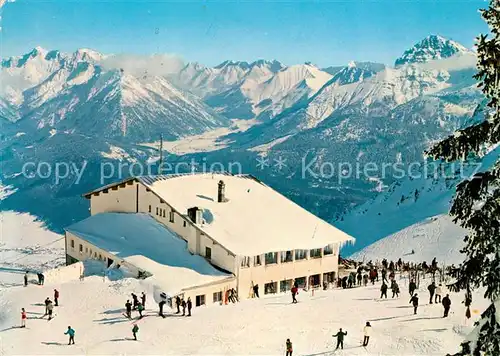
{"type": "Point", "coordinates": [287, 256]}
{"type": "Point", "coordinates": [88, 251]}
{"type": "Point", "coordinates": [162, 213]}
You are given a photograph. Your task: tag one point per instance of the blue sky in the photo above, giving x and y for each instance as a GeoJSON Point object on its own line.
{"type": "Point", "coordinates": [323, 32]}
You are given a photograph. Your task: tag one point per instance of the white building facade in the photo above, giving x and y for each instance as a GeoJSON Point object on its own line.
{"type": "Point", "coordinates": [237, 223]}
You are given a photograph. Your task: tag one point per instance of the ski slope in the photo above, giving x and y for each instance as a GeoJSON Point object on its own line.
{"type": "Point", "coordinates": [94, 308]}
{"type": "Point", "coordinates": [257, 327]}
{"type": "Point", "coordinates": [436, 237]}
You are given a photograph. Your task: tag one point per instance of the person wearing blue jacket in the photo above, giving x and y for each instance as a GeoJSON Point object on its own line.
{"type": "Point", "coordinates": [71, 333]}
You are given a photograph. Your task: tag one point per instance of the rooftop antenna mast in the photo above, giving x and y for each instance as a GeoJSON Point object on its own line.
{"type": "Point", "coordinates": [161, 154]}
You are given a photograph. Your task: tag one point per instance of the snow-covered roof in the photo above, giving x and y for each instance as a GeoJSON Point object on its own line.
{"type": "Point", "coordinates": [254, 220]}
{"type": "Point", "coordinates": [147, 244]}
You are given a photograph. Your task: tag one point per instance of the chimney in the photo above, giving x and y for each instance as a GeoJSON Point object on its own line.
{"type": "Point", "coordinates": [221, 198]}
{"type": "Point", "coordinates": [195, 214]}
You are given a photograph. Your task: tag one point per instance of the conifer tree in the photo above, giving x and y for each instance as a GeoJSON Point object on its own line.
{"type": "Point", "coordinates": [476, 206]}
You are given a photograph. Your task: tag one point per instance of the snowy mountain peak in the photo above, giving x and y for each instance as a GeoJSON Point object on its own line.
{"type": "Point", "coordinates": [86, 54]}
{"type": "Point", "coordinates": [274, 65]}
{"type": "Point", "coordinates": [229, 63]}
{"type": "Point", "coordinates": [430, 48]}
{"type": "Point", "coordinates": [351, 64]}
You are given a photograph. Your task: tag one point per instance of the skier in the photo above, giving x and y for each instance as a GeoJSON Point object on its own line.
{"type": "Point", "coordinates": [189, 305]}
{"type": "Point", "coordinates": [367, 331]}
{"type": "Point", "coordinates": [47, 301]}
{"type": "Point", "coordinates": [161, 304]}
{"type": "Point", "coordinates": [294, 293]}
{"type": "Point", "coordinates": [376, 274]}
{"type": "Point", "coordinates": [39, 276]}
{"type": "Point", "coordinates": [256, 290]}
{"type": "Point", "coordinates": [365, 279]}
{"type": "Point", "coordinates": [350, 280]}
{"type": "Point", "coordinates": [372, 276]}
{"type": "Point", "coordinates": [50, 308]}
{"type": "Point", "coordinates": [391, 266]}
{"type": "Point", "coordinates": [414, 301]}
{"type": "Point", "coordinates": [446, 304]}
{"type": "Point", "coordinates": [71, 334]}
{"type": "Point", "coordinates": [128, 307]}
{"type": "Point", "coordinates": [26, 279]}
{"type": "Point", "coordinates": [439, 292]}
{"type": "Point", "coordinates": [359, 278]}
{"type": "Point", "coordinates": [42, 279]}
{"type": "Point", "coordinates": [183, 304]}
{"type": "Point", "coordinates": [56, 297]}
{"type": "Point", "coordinates": [384, 275]}
{"type": "Point", "coordinates": [340, 338]}
{"type": "Point", "coordinates": [395, 289]}
{"type": "Point", "coordinates": [178, 303]}
{"type": "Point", "coordinates": [432, 290]}
{"type": "Point", "coordinates": [23, 318]}
{"type": "Point", "coordinates": [143, 300]}
{"type": "Point", "coordinates": [289, 348]}
{"type": "Point", "coordinates": [135, 301]}
{"type": "Point", "coordinates": [140, 308]}
{"type": "Point", "coordinates": [412, 287]}
{"type": "Point", "coordinates": [135, 330]}
{"type": "Point", "coordinates": [383, 290]}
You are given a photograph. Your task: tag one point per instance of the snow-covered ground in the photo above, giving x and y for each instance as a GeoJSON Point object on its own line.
{"type": "Point", "coordinates": [436, 237]}
{"type": "Point", "coordinates": [94, 309]}
{"type": "Point", "coordinates": [26, 245]}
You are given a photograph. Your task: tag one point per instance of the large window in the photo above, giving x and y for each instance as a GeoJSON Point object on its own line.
{"type": "Point", "coordinates": [271, 258]}
{"type": "Point", "coordinates": [300, 255]}
{"type": "Point", "coordinates": [200, 300]}
{"type": "Point", "coordinates": [286, 256]}
{"type": "Point", "coordinates": [328, 250]}
{"type": "Point", "coordinates": [217, 297]}
{"type": "Point", "coordinates": [171, 216]}
{"type": "Point", "coordinates": [81, 248]}
{"type": "Point", "coordinates": [270, 288]}
{"type": "Point", "coordinates": [208, 253]}
{"type": "Point", "coordinates": [72, 243]}
{"type": "Point", "coordinates": [245, 261]}
{"type": "Point", "coordinates": [257, 261]}
{"type": "Point", "coordinates": [285, 285]}
{"type": "Point", "coordinates": [315, 253]}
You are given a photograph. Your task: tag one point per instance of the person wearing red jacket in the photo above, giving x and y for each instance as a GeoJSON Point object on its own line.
{"type": "Point", "coordinates": [56, 297]}
{"type": "Point", "coordinates": [295, 291]}
{"type": "Point", "coordinates": [23, 318]}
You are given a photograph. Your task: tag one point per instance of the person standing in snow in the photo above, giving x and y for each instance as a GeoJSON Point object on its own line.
{"type": "Point", "coordinates": [183, 304]}
{"type": "Point", "coordinates": [128, 308]}
{"type": "Point", "coordinates": [289, 349]}
{"type": "Point", "coordinates": [256, 290]}
{"type": "Point", "coordinates": [26, 279]}
{"type": "Point", "coordinates": [383, 290]}
{"type": "Point", "coordinates": [135, 330]}
{"type": "Point", "coordinates": [384, 276]}
{"type": "Point", "coordinates": [42, 278]}
{"type": "Point", "coordinates": [359, 278]}
{"type": "Point", "coordinates": [23, 318]}
{"type": "Point", "coordinates": [432, 290]}
{"type": "Point", "coordinates": [340, 338]}
{"type": "Point", "coordinates": [161, 304]}
{"type": "Point", "coordinates": [446, 304]}
{"type": "Point", "coordinates": [140, 308]}
{"type": "Point", "coordinates": [71, 334]}
{"type": "Point", "coordinates": [367, 331]}
{"type": "Point", "coordinates": [294, 293]}
{"type": "Point", "coordinates": [439, 293]}
{"type": "Point", "coordinates": [56, 297]}
{"type": "Point", "coordinates": [365, 279]}
{"type": "Point", "coordinates": [47, 301]}
{"type": "Point", "coordinates": [178, 304]}
{"type": "Point", "coordinates": [395, 289]}
{"type": "Point", "coordinates": [135, 301]}
{"type": "Point", "coordinates": [412, 287]}
{"type": "Point", "coordinates": [189, 306]}
{"type": "Point", "coordinates": [50, 308]}
{"type": "Point", "coordinates": [143, 300]}
{"type": "Point", "coordinates": [414, 301]}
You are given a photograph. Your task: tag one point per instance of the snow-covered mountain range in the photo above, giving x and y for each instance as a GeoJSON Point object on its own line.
{"type": "Point", "coordinates": [76, 107]}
